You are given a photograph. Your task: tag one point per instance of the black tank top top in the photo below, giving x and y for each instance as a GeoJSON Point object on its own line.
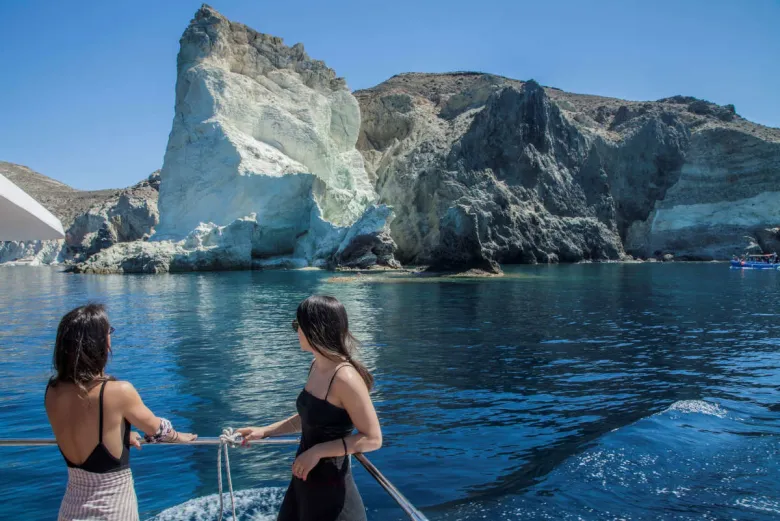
{"type": "Point", "coordinates": [101, 461]}
{"type": "Point", "coordinates": [321, 421]}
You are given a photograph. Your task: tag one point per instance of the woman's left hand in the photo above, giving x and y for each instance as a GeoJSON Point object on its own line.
{"type": "Point", "coordinates": [305, 462]}
{"type": "Point", "coordinates": [135, 440]}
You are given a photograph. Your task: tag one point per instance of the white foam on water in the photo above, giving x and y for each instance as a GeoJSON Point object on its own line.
{"type": "Point", "coordinates": [614, 466]}
{"type": "Point", "coordinates": [698, 406]}
{"type": "Point", "coordinates": [257, 504]}
{"type": "Point", "coordinates": [760, 503]}
{"type": "Point", "coordinates": [677, 492]}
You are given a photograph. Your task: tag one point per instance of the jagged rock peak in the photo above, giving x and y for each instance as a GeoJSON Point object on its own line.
{"type": "Point", "coordinates": [703, 107]}
{"type": "Point", "coordinates": [211, 35]}
{"type": "Point", "coordinates": [438, 87]}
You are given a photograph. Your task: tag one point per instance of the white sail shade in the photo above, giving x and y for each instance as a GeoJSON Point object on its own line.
{"type": "Point", "coordinates": [22, 218]}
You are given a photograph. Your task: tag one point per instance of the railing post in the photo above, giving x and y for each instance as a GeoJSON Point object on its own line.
{"type": "Point", "coordinates": [405, 504]}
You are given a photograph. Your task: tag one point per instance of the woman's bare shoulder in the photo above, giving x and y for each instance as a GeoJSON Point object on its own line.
{"type": "Point", "coordinates": [348, 378]}
{"type": "Point", "coordinates": [121, 388]}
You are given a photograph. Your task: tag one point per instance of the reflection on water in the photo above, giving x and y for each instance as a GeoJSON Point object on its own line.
{"type": "Point", "coordinates": [557, 392]}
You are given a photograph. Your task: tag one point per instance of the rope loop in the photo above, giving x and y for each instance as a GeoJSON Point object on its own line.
{"type": "Point", "coordinates": [230, 437]}
{"type": "Point", "coordinates": [227, 439]}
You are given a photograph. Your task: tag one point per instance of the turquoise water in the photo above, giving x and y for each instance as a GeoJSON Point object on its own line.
{"type": "Point", "coordinates": [563, 392]}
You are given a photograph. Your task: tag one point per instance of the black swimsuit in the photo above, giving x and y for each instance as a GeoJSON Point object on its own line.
{"type": "Point", "coordinates": [101, 461]}
{"type": "Point", "coordinates": [329, 492]}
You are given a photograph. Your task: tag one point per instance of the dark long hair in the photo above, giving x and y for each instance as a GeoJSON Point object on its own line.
{"type": "Point", "coordinates": [81, 349]}
{"type": "Point", "coordinates": [324, 322]}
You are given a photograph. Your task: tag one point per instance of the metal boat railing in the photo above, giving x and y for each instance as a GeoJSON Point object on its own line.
{"type": "Point", "coordinates": [411, 511]}
{"type": "Point", "coordinates": [392, 491]}
{"type": "Point", "coordinates": [42, 442]}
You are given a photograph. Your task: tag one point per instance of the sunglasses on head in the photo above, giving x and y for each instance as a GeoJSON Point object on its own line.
{"type": "Point", "coordinates": [295, 325]}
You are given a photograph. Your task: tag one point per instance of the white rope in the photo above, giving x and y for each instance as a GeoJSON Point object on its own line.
{"type": "Point", "coordinates": [227, 439]}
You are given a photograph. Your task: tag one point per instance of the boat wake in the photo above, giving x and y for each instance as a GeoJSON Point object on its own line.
{"type": "Point", "coordinates": [696, 459]}
{"type": "Point", "coordinates": [256, 504]}
{"type": "Point", "coordinates": [697, 406]}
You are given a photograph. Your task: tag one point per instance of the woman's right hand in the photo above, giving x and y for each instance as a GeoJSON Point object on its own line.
{"type": "Point", "coordinates": [252, 433]}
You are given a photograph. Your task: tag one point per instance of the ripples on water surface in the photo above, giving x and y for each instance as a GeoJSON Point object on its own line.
{"type": "Point", "coordinates": [564, 392]}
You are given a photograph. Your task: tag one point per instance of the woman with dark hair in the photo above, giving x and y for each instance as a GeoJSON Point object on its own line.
{"type": "Point", "coordinates": [334, 402]}
{"type": "Point", "coordinates": [90, 414]}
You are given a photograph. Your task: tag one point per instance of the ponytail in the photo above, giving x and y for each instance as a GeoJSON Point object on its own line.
{"type": "Point", "coordinates": [352, 346]}
{"type": "Point", "coordinates": [363, 372]}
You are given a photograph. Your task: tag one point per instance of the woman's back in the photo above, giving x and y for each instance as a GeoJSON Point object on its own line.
{"type": "Point", "coordinates": [94, 438]}
{"type": "Point", "coordinates": [76, 417]}
{"type": "Point", "coordinates": [90, 415]}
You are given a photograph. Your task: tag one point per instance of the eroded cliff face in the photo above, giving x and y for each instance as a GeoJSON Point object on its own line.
{"type": "Point", "coordinates": [481, 169]}
{"type": "Point", "coordinates": [128, 215]}
{"type": "Point", "coordinates": [727, 194]}
{"type": "Point", "coordinates": [262, 134]}
{"type": "Point", "coordinates": [272, 162]}
{"type": "Point", "coordinates": [252, 114]}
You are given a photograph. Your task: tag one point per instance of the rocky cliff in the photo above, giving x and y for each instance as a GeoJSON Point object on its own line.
{"type": "Point", "coordinates": [272, 162]}
{"type": "Point", "coordinates": [261, 167]}
{"type": "Point", "coordinates": [93, 220]}
{"type": "Point", "coordinates": [482, 169]}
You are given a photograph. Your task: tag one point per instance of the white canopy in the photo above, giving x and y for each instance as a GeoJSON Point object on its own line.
{"type": "Point", "coordinates": [22, 218]}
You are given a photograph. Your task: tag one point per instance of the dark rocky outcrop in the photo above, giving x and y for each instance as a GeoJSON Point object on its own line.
{"type": "Point", "coordinates": [483, 169]}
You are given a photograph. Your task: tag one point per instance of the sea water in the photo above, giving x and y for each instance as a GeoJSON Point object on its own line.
{"type": "Point", "coordinates": [557, 392]}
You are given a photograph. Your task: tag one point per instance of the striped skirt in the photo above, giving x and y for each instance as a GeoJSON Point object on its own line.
{"type": "Point", "coordinates": [99, 497]}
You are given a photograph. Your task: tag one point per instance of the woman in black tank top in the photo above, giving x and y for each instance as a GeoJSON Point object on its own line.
{"type": "Point", "coordinates": [91, 415]}
{"type": "Point", "coordinates": [334, 402]}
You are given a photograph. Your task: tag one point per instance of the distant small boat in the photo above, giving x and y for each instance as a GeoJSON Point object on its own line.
{"type": "Point", "coordinates": [769, 261]}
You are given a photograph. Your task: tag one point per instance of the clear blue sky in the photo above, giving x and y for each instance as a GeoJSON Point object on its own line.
{"type": "Point", "coordinates": [87, 87]}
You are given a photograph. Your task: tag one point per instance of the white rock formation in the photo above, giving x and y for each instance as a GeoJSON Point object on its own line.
{"type": "Point", "coordinates": [251, 113]}
{"type": "Point", "coordinates": [212, 247]}
{"type": "Point", "coordinates": [31, 253]}
{"type": "Point", "coordinates": [262, 155]}
{"type": "Point", "coordinates": [208, 247]}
